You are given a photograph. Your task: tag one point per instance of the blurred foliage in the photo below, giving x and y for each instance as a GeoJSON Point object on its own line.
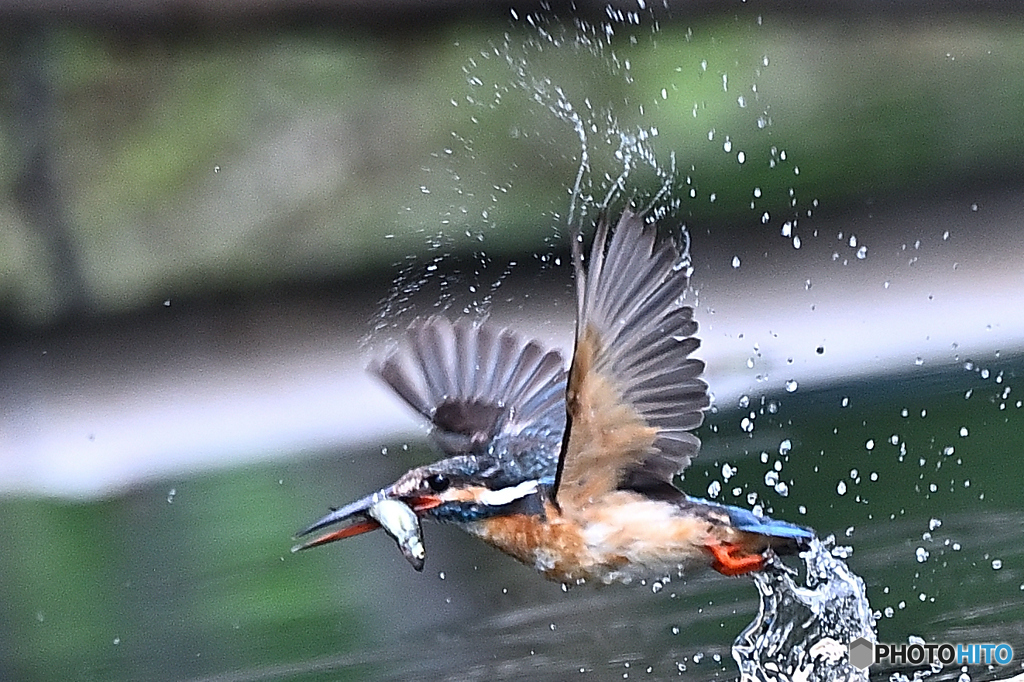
{"type": "Point", "coordinates": [191, 165]}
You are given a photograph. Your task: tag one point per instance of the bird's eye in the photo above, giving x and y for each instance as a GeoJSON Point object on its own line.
{"type": "Point", "coordinates": [438, 482]}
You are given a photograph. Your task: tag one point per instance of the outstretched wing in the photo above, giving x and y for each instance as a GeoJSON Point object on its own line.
{"type": "Point", "coordinates": [480, 386]}
{"type": "Point", "coordinates": [634, 393]}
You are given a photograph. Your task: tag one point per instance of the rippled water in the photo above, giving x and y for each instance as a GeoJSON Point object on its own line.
{"type": "Point", "coordinates": [192, 579]}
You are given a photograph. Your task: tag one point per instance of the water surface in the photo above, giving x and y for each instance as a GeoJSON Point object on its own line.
{"type": "Point", "coordinates": [191, 578]}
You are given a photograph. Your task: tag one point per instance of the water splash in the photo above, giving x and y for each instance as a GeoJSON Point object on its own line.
{"type": "Point", "coordinates": [801, 632]}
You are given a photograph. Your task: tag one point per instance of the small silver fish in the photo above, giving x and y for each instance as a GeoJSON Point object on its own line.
{"type": "Point", "coordinates": [401, 523]}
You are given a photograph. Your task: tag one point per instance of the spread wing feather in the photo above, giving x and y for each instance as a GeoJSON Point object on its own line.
{"type": "Point", "coordinates": [478, 384]}
{"type": "Point", "coordinates": [634, 393]}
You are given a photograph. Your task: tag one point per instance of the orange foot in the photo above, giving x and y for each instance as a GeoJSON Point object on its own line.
{"type": "Point", "coordinates": [728, 560]}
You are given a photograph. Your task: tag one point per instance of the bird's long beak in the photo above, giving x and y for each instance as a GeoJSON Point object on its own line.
{"type": "Point", "coordinates": [387, 508]}
{"type": "Point", "coordinates": [346, 513]}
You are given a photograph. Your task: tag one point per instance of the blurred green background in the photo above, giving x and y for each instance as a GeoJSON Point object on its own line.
{"type": "Point", "coordinates": [188, 162]}
{"type": "Point", "coordinates": [202, 217]}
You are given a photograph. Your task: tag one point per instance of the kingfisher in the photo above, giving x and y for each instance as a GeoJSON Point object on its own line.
{"type": "Point", "coordinates": [571, 471]}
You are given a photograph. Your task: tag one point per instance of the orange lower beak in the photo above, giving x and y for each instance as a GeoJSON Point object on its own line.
{"type": "Point", "coordinates": [340, 534]}
{"type": "Point", "coordinates": [417, 504]}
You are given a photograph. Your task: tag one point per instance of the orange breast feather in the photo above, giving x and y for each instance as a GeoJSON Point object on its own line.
{"type": "Point", "coordinates": [627, 537]}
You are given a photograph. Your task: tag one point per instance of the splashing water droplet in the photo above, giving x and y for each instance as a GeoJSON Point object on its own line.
{"type": "Point", "coordinates": [801, 631]}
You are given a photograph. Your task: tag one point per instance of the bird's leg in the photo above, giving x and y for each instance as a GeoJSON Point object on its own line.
{"type": "Point", "coordinates": [730, 561]}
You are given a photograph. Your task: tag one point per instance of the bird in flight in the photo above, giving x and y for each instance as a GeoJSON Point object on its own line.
{"type": "Point", "coordinates": [570, 471]}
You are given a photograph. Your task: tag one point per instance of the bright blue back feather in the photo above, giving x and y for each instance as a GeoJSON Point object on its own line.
{"type": "Point", "coordinates": [744, 520]}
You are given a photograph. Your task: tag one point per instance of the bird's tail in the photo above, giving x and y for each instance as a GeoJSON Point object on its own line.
{"type": "Point", "coordinates": [783, 537]}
